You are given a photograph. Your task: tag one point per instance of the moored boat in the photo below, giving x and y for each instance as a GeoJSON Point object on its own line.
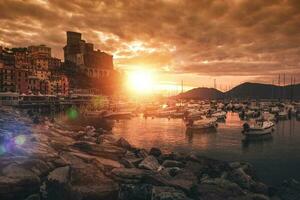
{"type": "Point", "coordinates": [204, 123]}
{"type": "Point", "coordinates": [118, 115]}
{"type": "Point", "coordinates": [221, 115]}
{"type": "Point", "coordinates": [258, 128]}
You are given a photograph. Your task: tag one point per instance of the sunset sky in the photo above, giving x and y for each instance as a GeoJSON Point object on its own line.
{"type": "Point", "coordinates": [196, 41]}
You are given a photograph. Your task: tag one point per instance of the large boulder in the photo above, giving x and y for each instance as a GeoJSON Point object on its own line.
{"type": "Point", "coordinates": [33, 197]}
{"type": "Point", "coordinates": [172, 163]}
{"type": "Point", "coordinates": [219, 189]}
{"type": "Point", "coordinates": [131, 162]}
{"type": "Point", "coordinates": [150, 162]}
{"type": "Point", "coordinates": [136, 192]}
{"type": "Point", "coordinates": [57, 184]}
{"type": "Point", "coordinates": [241, 178]}
{"type": "Point", "coordinates": [124, 144]}
{"type": "Point", "coordinates": [91, 183]}
{"type": "Point", "coordinates": [183, 181]}
{"type": "Point", "coordinates": [141, 153]}
{"type": "Point", "coordinates": [129, 175]}
{"type": "Point", "coordinates": [17, 182]}
{"type": "Point", "coordinates": [102, 150]}
{"type": "Point", "coordinates": [155, 152]}
{"type": "Point", "coordinates": [213, 168]}
{"type": "Point", "coordinates": [167, 193]}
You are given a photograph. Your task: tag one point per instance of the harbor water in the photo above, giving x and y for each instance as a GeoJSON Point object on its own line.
{"type": "Point", "coordinates": [276, 158]}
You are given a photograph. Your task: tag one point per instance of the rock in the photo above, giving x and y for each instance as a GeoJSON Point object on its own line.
{"type": "Point", "coordinates": [89, 129]}
{"type": "Point", "coordinates": [108, 163]}
{"type": "Point", "coordinates": [155, 152]}
{"type": "Point", "coordinates": [129, 175]}
{"type": "Point", "coordinates": [18, 183]}
{"type": "Point", "coordinates": [150, 162]}
{"type": "Point", "coordinates": [57, 184]}
{"type": "Point", "coordinates": [172, 163]}
{"type": "Point", "coordinates": [38, 167]}
{"type": "Point", "coordinates": [172, 171]}
{"type": "Point", "coordinates": [131, 162]}
{"type": "Point", "coordinates": [102, 150]}
{"type": "Point", "coordinates": [104, 164]}
{"type": "Point", "coordinates": [136, 192]}
{"type": "Point", "coordinates": [258, 187]}
{"type": "Point", "coordinates": [141, 153]}
{"type": "Point", "coordinates": [211, 167]}
{"type": "Point", "coordinates": [185, 182]}
{"type": "Point", "coordinates": [249, 169]}
{"type": "Point", "coordinates": [59, 162]}
{"type": "Point", "coordinates": [241, 178]}
{"type": "Point", "coordinates": [235, 165]}
{"type": "Point", "coordinates": [218, 189]}
{"type": "Point", "coordinates": [257, 197]}
{"type": "Point", "coordinates": [289, 190]}
{"type": "Point", "coordinates": [33, 197]}
{"type": "Point", "coordinates": [167, 193]}
{"type": "Point", "coordinates": [91, 183]}
{"type": "Point", "coordinates": [60, 175]}
{"type": "Point", "coordinates": [124, 144]}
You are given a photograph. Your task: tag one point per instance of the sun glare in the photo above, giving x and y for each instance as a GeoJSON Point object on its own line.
{"type": "Point", "coordinates": [141, 81]}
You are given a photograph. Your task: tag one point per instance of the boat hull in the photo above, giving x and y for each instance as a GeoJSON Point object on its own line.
{"type": "Point", "coordinates": [258, 133]}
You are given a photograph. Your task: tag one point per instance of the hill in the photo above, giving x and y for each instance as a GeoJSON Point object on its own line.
{"type": "Point", "coordinates": [264, 91]}
{"type": "Point", "coordinates": [202, 93]}
{"type": "Point", "coordinates": [245, 91]}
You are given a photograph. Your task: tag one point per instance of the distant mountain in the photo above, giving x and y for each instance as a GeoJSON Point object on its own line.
{"type": "Point", "coordinates": [245, 91]}
{"type": "Point", "coordinates": [264, 91]}
{"type": "Point", "coordinates": [202, 93]}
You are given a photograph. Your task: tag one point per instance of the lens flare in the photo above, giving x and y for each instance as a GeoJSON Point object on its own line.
{"type": "Point", "coordinates": [72, 113]}
{"type": "Point", "coordinates": [20, 139]}
{"type": "Point", "coordinates": [2, 150]}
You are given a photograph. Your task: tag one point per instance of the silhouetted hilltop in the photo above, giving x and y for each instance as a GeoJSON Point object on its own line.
{"type": "Point", "coordinates": [245, 91]}
{"type": "Point", "coordinates": [202, 93]}
{"type": "Point", "coordinates": [264, 91]}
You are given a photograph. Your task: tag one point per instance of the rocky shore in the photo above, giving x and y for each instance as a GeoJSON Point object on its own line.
{"type": "Point", "coordinates": [52, 161]}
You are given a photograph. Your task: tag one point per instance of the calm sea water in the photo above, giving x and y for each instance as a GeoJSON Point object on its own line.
{"type": "Point", "coordinates": [276, 158]}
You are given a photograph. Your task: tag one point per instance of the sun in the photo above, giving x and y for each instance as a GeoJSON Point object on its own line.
{"type": "Point", "coordinates": [141, 81]}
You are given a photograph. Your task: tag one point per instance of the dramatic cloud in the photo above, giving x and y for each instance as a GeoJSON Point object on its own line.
{"type": "Point", "coordinates": [252, 40]}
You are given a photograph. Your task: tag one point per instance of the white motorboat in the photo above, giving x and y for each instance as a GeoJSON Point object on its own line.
{"type": "Point", "coordinates": [258, 128]}
{"type": "Point", "coordinates": [275, 109]}
{"type": "Point", "coordinates": [282, 115]}
{"type": "Point", "coordinates": [195, 114]}
{"type": "Point", "coordinates": [118, 115]}
{"type": "Point", "coordinates": [221, 115]}
{"type": "Point", "coordinates": [204, 123]}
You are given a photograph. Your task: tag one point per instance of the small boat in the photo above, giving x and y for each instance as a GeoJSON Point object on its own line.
{"type": "Point", "coordinates": [118, 115]}
{"type": "Point", "coordinates": [275, 110]}
{"type": "Point", "coordinates": [94, 113]}
{"type": "Point", "coordinates": [282, 115]}
{"type": "Point", "coordinates": [260, 128]}
{"type": "Point", "coordinates": [220, 115]}
{"type": "Point", "coordinates": [204, 123]}
{"type": "Point", "coordinates": [195, 114]}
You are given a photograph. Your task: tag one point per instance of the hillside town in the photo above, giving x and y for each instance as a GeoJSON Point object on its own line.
{"type": "Point", "coordinates": [33, 70]}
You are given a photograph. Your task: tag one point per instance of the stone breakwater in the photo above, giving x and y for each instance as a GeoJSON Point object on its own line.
{"type": "Point", "coordinates": [55, 162]}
